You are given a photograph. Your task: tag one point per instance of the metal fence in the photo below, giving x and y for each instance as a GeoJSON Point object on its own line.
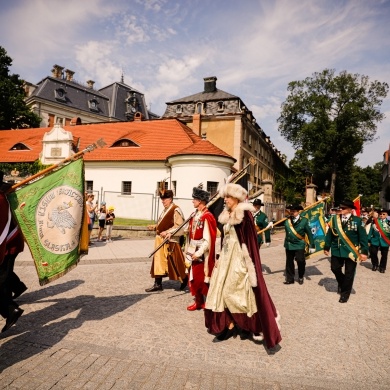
{"type": "Point", "coordinates": [148, 206]}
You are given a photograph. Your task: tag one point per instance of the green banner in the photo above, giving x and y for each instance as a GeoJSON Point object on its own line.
{"type": "Point", "coordinates": [50, 213]}
{"type": "Point", "coordinates": [316, 218]}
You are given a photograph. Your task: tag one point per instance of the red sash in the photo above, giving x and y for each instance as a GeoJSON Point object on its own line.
{"type": "Point", "coordinates": [381, 232]}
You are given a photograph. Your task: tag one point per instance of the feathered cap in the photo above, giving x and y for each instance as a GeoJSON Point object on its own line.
{"type": "Point", "coordinates": [233, 190]}
{"type": "Point", "coordinates": [164, 194]}
{"type": "Point", "coordinates": [200, 193]}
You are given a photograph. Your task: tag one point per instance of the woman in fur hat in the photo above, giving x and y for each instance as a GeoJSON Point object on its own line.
{"type": "Point", "coordinates": [238, 299]}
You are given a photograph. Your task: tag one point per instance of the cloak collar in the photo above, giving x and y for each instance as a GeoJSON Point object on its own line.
{"type": "Point", "coordinates": [237, 215]}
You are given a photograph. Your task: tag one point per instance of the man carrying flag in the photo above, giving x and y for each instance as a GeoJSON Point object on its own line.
{"type": "Point", "coordinates": [11, 244]}
{"type": "Point", "coordinates": [347, 239]}
{"type": "Point", "coordinates": [379, 238]}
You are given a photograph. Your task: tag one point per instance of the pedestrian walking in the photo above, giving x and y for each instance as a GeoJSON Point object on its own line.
{"type": "Point", "coordinates": [168, 261]}
{"type": "Point", "coordinates": [200, 247]}
{"type": "Point", "coordinates": [379, 240]}
{"type": "Point", "coordinates": [298, 236]}
{"type": "Point", "coordinates": [238, 301]}
{"type": "Point", "coordinates": [348, 242]}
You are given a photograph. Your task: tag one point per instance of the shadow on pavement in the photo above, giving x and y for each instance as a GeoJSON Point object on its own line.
{"type": "Point", "coordinates": [330, 285]}
{"type": "Point", "coordinates": [50, 291]}
{"type": "Point", "coordinates": [44, 328]}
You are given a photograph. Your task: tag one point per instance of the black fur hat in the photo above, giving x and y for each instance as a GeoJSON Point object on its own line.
{"type": "Point", "coordinates": [199, 193]}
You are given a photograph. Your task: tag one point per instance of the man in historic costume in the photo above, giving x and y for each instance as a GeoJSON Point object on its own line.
{"type": "Point", "coordinates": [379, 240]}
{"type": "Point", "coordinates": [238, 299]}
{"type": "Point", "coordinates": [298, 234]}
{"type": "Point", "coordinates": [200, 247]}
{"type": "Point", "coordinates": [11, 243]}
{"type": "Point", "coordinates": [261, 222]}
{"type": "Point", "coordinates": [348, 242]}
{"type": "Point", "coordinates": [169, 259]}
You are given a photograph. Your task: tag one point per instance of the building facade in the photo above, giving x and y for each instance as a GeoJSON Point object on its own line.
{"type": "Point", "coordinates": [226, 121]}
{"type": "Point", "coordinates": [384, 196]}
{"type": "Point", "coordinates": [60, 99]}
{"type": "Point", "coordinates": [133, 159]}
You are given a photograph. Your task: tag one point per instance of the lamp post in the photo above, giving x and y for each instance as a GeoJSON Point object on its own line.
{"type": "Point", "coordinates": [326, 183]}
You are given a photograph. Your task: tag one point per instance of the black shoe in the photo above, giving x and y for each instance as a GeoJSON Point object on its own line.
{"type": "Point", "coordinates": [184, 284]}
{"type": "Point", "coordinates": [12, 318]}
{"type": "Point", "coordinates": [226, 334]}
{"type": "Point", "coordinates": [339, 290]}
{"type": "Point", "coordinates": [374, 267]}
{"type": "Point", "coordinates": [382, 270]}
{"type": "Point", "coordinates": [343, 300]}
{"type": "Point", "coordinates": [288, 282]}
{"type": "Point", "coordinates": [245, 334]}
{"type": "Point", "coordinates": [19, 292]}
{"type": "Point", "coordinates": [155, 287]}
{"type": "Point", "coordinates": [300, 280]}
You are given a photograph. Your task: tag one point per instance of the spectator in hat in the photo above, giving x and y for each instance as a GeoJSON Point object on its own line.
{"type": "Point", "coordinates": [298, 232]}
{"type": "Point", "coordinates": [110, 216]}
{"type": "Point", "coordinates": [344, 236]}
{"type": "Point", "coordinates": [379, 240]}
{"type": "Point", "coordinates": [102, 219]}
{"type": "Point", "coordinates": [168, 261]}
{"type": "Point", "coordinates": [261, 222]}
{"type": "Point", "coordinates": [200, 247]}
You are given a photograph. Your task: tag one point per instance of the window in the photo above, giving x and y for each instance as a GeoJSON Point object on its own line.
{"type": "Point", "coordinates": [174, 187]}
{"type": "Point", "coordinates": [60, 121]}
{"type": "Point", "coordinates": [220, 106]}
{"type": "Point", "coordinates": [93, 105]}
{"type": "Point", "coordinates": [55, 152]}
{"type": "Point", "coordinates": [158, 187]}
{"type": "Point", "coordinates": [89, 185]}
{"type": "Point", "coordinates": [212, 187]}
{"type": "Point", "coordinates": [250, 140]}
{"type": "Point", "coordinates": [126, 187]}
{"type": "Point", "coordinates": [60, 94]}
{"type": "Point", "coordinates": [124, 143]}
{"type": "Point", "coordinates": [20, 146]}
{"type": "Point", "coordinates": [199, 108]}
{"type": "Point", "coordinates": [179, 109]}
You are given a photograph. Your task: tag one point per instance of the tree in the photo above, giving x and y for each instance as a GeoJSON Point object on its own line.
{"type": "Point", "coordinates": [330, 118]}
{"type": "Point", "coordinates": [14, 113]}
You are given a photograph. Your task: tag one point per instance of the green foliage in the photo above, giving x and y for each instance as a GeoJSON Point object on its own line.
{"type": "Point", "coordinates": [368, 182]}
{"type": "Point", "coordinates": [14, 113]}
{"type": "Point", "coordinates": [329, 118]}
{"type": "Point", "coordinates": [24, 169]}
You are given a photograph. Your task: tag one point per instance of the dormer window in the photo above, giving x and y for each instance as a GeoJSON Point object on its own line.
{"type": "Point", "coordinates": [199, 108]}
{"type": "Point", "coordinates": [179, 109]}
{"type": "Point", "coordinates": [124, 143]}
{"type": "Point", "coordinates": [93, 105]}
{"type": "Point", "coordinates": [20, 146]}
{"type": "Point", "coordinates": [220, 106]}
{"type": "Point", "coordinates": [60, 94]}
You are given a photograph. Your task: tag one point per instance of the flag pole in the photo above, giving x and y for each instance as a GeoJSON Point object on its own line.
{"type": "Point", "coordinates": [89, 148]}
{"type": "Point", "coordinates": [284, 219]}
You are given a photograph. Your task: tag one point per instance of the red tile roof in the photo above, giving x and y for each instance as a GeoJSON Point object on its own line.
{"type": "Point", "coordinates": [157, 140]}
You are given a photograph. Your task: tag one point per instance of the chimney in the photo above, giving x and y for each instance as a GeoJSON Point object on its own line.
{"type": "Point", "coordinates": [90, 83]}
{"type": "Point", "coordinates": [69, 74]}
{"type": "Point", "coordinates": [57, 71]}
{"type": "Point", "coordinates": [210, 84]}
{"type": "Point", "coordinates": [196, 124]}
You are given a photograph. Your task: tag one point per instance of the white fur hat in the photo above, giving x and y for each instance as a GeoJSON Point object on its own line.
{"type": "Point", "coordinates": [233, 190]}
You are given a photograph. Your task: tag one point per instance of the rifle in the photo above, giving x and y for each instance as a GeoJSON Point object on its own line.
{"type": "Point", "coordinates": [238, 175]}
{"type": "Point", "coordinates": [270, 225]}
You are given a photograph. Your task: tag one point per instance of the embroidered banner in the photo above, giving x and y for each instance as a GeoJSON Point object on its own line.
{"type": "Point", "coordinates": [50, 213]}
{"type": "Point", "coordinates": [316, 218]}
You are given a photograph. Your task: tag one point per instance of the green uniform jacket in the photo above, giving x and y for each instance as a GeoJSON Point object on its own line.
{"type": "Point", "coordinates": [302, 227]}
{"type": "Point", "coordinates": [375, 238]}
{"type": "Point", "coordinates": [261, 221]}
{"type": "Point", "coordinates": [353, 230]}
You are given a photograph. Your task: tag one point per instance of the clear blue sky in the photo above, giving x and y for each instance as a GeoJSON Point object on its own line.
{"type": "Point", "coordinates": [166, 47]}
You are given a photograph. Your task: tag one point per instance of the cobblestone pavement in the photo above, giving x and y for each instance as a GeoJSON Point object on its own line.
{"type": "Point", "coordinates": [96, 328]}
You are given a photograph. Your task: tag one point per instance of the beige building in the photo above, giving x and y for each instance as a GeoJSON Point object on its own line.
{"type": "Point", "coordinates": [224, 120]}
